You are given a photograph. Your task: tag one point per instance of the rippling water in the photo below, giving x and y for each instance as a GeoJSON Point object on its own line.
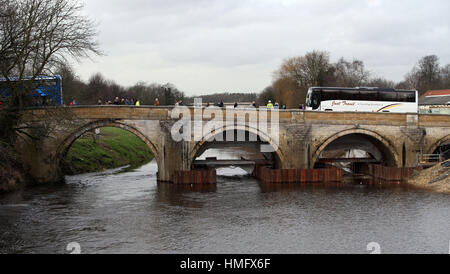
{"type": "Point", "coordinates": [130, 213]}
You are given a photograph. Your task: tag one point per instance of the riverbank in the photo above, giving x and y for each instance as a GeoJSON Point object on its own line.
{"type": "Point", "coordinates": [436, 178]}
{"type": "Point", "coordinates": [112, 148]}
{"type": "Point", "coordinates": [12, 174]}
{"type": "Point", "coordinates": [12, 177]}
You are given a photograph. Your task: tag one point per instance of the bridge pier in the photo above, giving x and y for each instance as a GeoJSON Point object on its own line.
{"type": "Point", "coordinates": [40, 161]}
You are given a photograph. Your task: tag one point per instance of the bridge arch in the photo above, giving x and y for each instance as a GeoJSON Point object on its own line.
{"type": "Point", "coordinates": [264, 137]}
{"type": "Point", "coordinates": [437, 144]}
{"type": "Point", "coordinates": [391, 155]}
{"type": "Point", "coordinates": [65, 145]}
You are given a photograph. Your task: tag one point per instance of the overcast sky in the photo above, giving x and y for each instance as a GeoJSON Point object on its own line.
{"type": "Point", "coordinates": [206, 46]}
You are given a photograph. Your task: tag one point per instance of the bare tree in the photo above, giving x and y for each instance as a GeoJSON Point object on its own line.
{"type": "Point", "coordinates": [308, 70]}
{"type": "Point", "coordinates": [35, 37]}
{"type": "Point", "coordinates": [38, 35]}
{"type": "Point", "coordinates": [411, 81]}
{"type": "Point", "coordinates": [73, 87]}
{"type": "Point", "coordinates": [380, 83]}
{"type": "Point", "coordinates": [288, 93]}
{"type": "Point", "coordinates": [445, 77]}
{"type": "Point", "coordinates": [267, 94]}
{"type": "Point", "coordinates": [98, 88]}
{"type": "Point", "coordinates": [429, 70]}
{"type": "Point", "coordinates": [350, 74]}
{"type": "Point", "coordinates": [425, 75]}
{"type": "Point", "coordinates": [297, 74]}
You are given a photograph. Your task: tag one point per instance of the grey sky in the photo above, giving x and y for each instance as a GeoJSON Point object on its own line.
{"type": "Point", "coordinates": [205, 46]}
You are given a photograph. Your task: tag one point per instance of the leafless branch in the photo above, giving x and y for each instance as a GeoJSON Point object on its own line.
{"type": "Point", "coordinates": [36, 36]}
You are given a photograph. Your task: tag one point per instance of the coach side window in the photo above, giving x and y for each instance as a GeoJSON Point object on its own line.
{"type": "Point", "coordinates": [348, 95]}
{"type": "Point", "coordinates": [407, 96]}
{"type": "Point", "coordinates": [388, 96]}
{"type": "Point", "coordinates": [368, 95]}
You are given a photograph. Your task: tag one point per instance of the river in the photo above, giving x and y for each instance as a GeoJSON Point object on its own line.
{"type": "Point", "coordinates": [129, 212]}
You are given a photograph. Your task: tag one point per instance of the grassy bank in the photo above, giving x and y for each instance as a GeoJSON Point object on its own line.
{"type": "Point", "coordinates": [113, 148]}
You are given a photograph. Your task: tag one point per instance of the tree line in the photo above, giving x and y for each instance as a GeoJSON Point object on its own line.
{"type": "Point", "coordinates": [99, 88]}
{"type": "Point", "coordinates": [296, 75]}
{"type": "Point", "coordinates": [290, 84]}
{"type": "Point", "coordinates": [224, 97]}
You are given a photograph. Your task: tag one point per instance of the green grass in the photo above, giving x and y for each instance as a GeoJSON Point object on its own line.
{"type": "Point", "coordinates": [114, 148]}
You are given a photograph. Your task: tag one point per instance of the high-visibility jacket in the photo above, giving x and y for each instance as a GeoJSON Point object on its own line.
{"type": "Point", "coordinates": [269, 105]}
{"type": "Point", "coordinates": [138, 103]}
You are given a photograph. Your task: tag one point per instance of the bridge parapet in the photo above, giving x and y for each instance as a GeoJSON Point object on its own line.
{"type": "Point", "coordinates": [285, 116]}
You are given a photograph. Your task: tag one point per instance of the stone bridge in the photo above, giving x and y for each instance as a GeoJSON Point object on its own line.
{"type": "Point", "coordinates": [297, 140]}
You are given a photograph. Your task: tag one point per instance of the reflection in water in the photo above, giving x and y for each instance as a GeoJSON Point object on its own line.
{"type": "Point", "coordinates": [130, 212]}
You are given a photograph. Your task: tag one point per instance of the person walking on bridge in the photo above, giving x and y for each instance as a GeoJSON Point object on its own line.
{"type": "Point", "coordinates": [269, 105]}
{"type": "Point", "coordinates": [156, 102]}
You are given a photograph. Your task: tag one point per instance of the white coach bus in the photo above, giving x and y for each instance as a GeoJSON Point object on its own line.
{"type": "Point", "coordinates": [364, 99]}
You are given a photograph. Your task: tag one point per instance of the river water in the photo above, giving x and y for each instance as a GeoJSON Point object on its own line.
{"type": "Point", "coordinates": [110, 212]}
